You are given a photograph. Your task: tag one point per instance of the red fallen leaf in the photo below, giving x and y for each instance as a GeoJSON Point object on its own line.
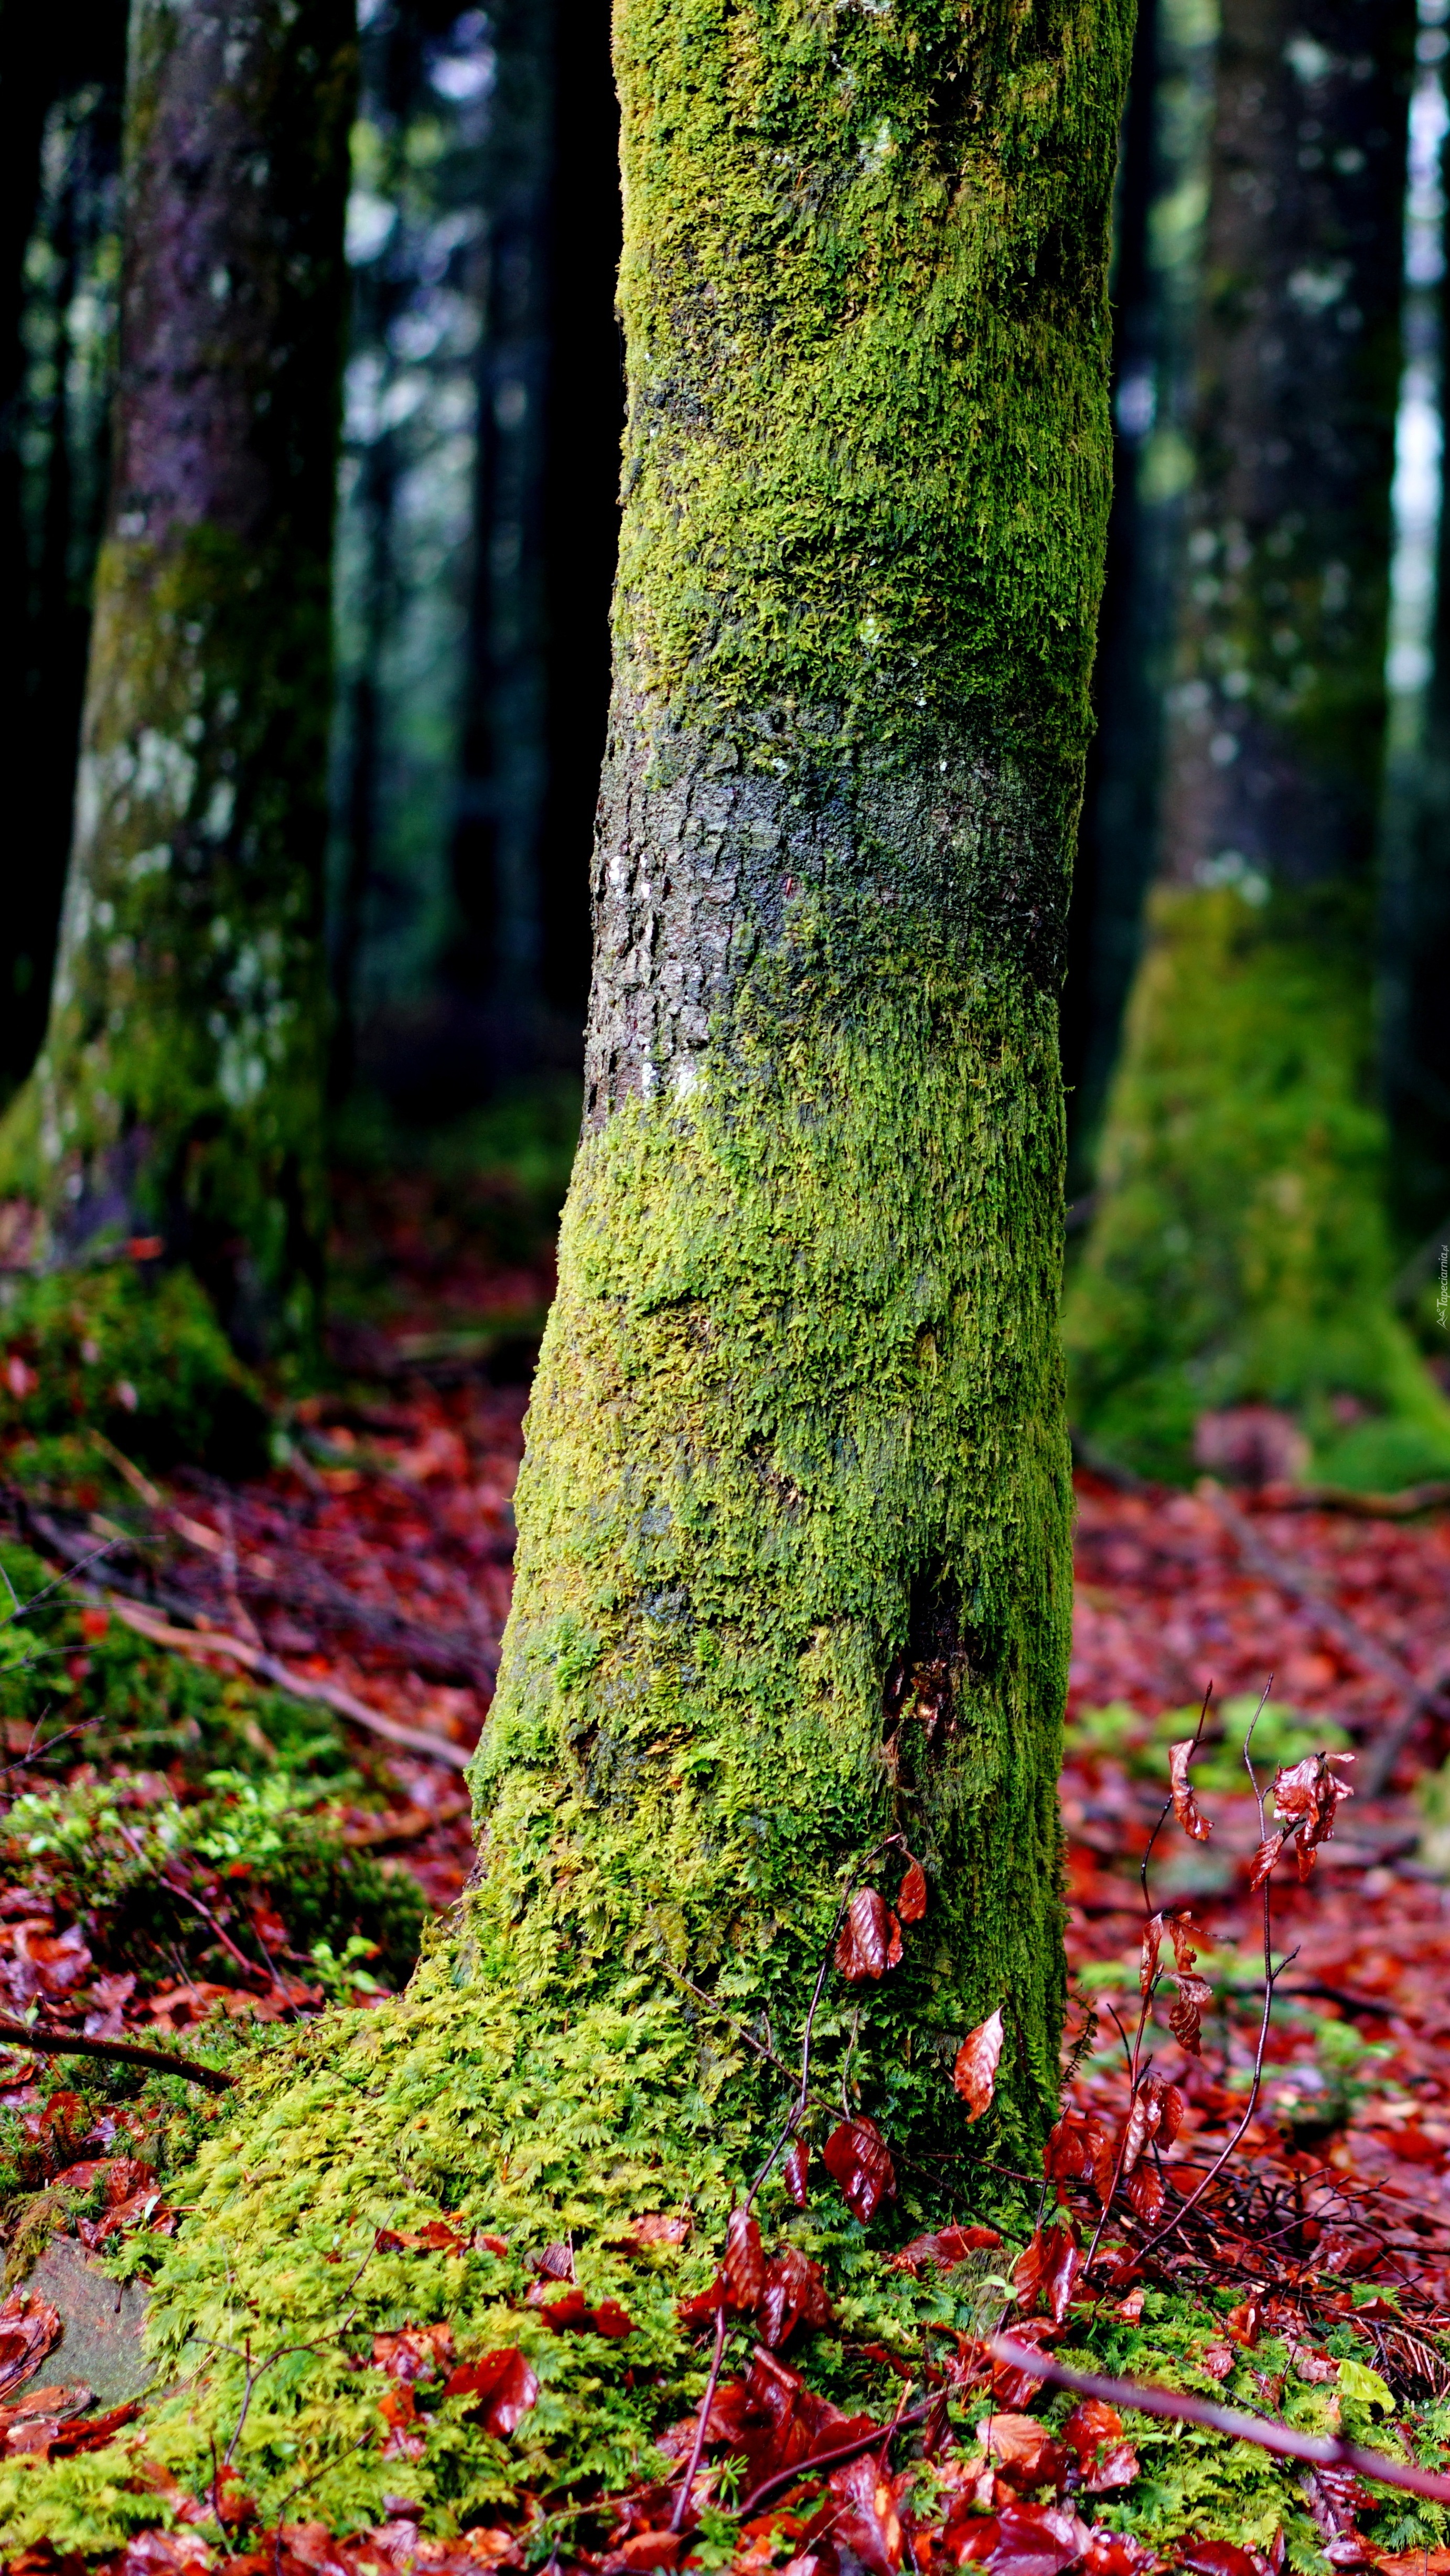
{"type": "Point", "coordinates": [946, 2248]}
{"type": "Point", "coordinates": [29, 2329]}
{"type": "Point", "coordinates": [1105, 2460]}
{"type": "Point", "coordinates": [744, 2265]}
{"type": "Point", "coordinates": [864, 2516]}
{"type": "Point", "coordinates": [855, 2156]}
{"type": "Point", "coordinates": [1048, 2269]}
{"type": "Point", "coordinates": [975, 2072]}
{"type": "Point", "coordinates": [399, 2410]}
{"type": "Point", "coordinates": [1217, 2558]}
{"type": "Point", "coordinates": [784, 2423]}
{"type": "Point", "coordinates": [644, 2549]}
{"type": "Point", "coordinates": [726, 2422]}
{"type": "Point", "coordinates": [573, 2313]}
{"type": "Point", "coordinates": [1115, 2553]}
{"type": "Point", "coordinates": [414, 2352]}
{"type": "Point", "coordinates": [46, 1963]}
{"type": "Point", "coordinates": [491, 2244]}
{"type": "Point", "coordinates": [556, 2263]}
{"type": "Point", "coordinates": [660, 2227]}
{"type": "Point", "coordinates": [91, 2432]}
{"type": "Point", "coordinates": [57, 2400]}
{"type": "Point", "coordinates": [796, 2167]}
{"type": "Point", "coordinates": [870, 1938]}
{"type": "Point", "coordinates": [1036, 2540]}
{"type": "Point", "coordinates": [1024, 2451]}
{"type": "Point", "coordinates": [1217, 2359]}
{"type": "Point", "coordinates": [970, 2541]}
{"type": "Point", "coordinates": [911, 1902]}
{"type": "Point", "coordinates": [795, 2294]}
{"type": "Point", "coordinates": [1013, 2388]}
{"type": "Point", "coordinates": [1185, 1805]}
{"type": "Point", "coordinates": [704, 2306]}
{"type": "Point", "coordinates": [505, 2383]}
{"type": "Point", "coordinates": [1243, 2323]}
{"type": "Point", "coordinates": [436, 2238]}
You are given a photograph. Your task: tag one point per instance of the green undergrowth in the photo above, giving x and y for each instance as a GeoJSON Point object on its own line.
{"type": "Point", "coordinates": [117, 1699]}
{"type": "Point", "coordinates": [269, 2348]}
{"type": "Point", "coordinates": [1282, 1735]}
{"type": "Point", "coordinates": [1240, 1251]}
{"type": "Point", "coordinates": [1193, 2483]}
{"type": "Point", "coordinates": [133, 1350]}
{"type": "Point", "coordinates": [122, 1856]}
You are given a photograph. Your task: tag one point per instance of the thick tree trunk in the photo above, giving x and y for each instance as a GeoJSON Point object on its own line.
{"type": "Point", "coordinates": [179, 1090]}
{"type": "Point", "coordinates": [794, 1561]}
{"type": "Point", "coordinates": [1240, 1251]}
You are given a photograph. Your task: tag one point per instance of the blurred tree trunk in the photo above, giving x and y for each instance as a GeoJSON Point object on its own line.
{"type": "Point", "coordinates": [179, 1090]}
{"type": "Point", "coordinates": [60, 101]}
{"type": "Point", "coordinates": [1240, 1251]}
{"type": "Point", "coordinates": [794, 1564]}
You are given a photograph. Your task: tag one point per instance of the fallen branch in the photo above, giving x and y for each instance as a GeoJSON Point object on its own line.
{"type": "Point", "coordinates": [74, 2043]}
{"type": "Point", "coordinates": [200, 1642]}
{"type": "Point", "coordinates": [1325, 2450]}
{"type": "Point", "coordinates": [1287, 1575]}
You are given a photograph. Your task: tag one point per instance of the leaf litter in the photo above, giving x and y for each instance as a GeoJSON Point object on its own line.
{"type": "Point", "coordinates": [1246, 2191]}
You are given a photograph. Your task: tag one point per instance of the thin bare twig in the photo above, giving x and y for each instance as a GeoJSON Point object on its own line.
{"type": "Point", "coordinates": [1324, 2449]}
{"type": "Point", "coordinates": [71, 2043]}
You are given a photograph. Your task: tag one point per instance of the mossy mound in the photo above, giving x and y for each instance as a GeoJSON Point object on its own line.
{"type": "Point", "coordinates": [135, 1351]}
{"type": "Point", "coordinates": [1240, 1252]}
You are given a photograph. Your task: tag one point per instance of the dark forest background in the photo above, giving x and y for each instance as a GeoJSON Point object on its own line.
{"type": "Point", "coordinates": [476, 539]}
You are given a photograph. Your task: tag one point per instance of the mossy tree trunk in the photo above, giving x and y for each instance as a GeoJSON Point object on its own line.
{"type": "Point", "coordinates": [1240, 1251]}
{"type": "Point", "coordinates": [179, 1089]}
{"type": "Point", "coordinates": [794, 1565]}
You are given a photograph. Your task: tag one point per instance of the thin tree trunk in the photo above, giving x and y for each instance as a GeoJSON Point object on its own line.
{"type": "Point", "coordinates": [179, 1090]}
{"type": "Point", "coordinates": [794, 1567]}
{"type": "Point", "coordinates": [1240, 1252]}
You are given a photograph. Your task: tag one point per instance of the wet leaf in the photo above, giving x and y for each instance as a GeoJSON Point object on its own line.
{"type": "Point", "coordinates": [870, 1938]}
{"type": "Point", "coordinates": [943, 2249]}
{"type": "Point", "coordinates": [975, 2072]}
{"type": "Point", "coordinates": [744, 2259]}
{"type": "Point", "coordinates": [414, 2352]}
{"type": "Point", "coordinates": [796, 2166]}
{"type": "Point", "coordinates": [29, 2329]}
{"type": "Point", "coordinates": [911, 1902]}
{"type": "Point", "coordinates": [864, 2513]}
{"type": "Point", "coordinates": [503, 2382]}
{"type": "Point", "coordinates": [855, 2156]}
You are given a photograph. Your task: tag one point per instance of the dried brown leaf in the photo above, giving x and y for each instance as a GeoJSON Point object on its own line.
{"type": "Point", "coordinates": [1185, 1805]}
{"type": "Point", "coordinates": [975, 2072]}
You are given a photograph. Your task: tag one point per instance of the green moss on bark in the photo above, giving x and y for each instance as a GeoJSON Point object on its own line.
{"type": "Point", "coordinates": [794, 1566]}
{"type": "Point", "coordinates": [1241, 1252]}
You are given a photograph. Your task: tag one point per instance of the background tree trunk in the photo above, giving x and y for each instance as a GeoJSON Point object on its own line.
{"type": "Point", "coordinates": [1240, 1250]}
{"type": "Point", "coordinates": [179, 1090]}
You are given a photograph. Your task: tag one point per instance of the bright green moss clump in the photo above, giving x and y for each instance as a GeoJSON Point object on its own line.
{"type": "Point", "coordinates": [1240, 1253]}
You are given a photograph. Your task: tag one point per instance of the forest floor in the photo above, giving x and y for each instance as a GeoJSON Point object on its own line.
{"type": "Point", "coordinates": [198, 1828]}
